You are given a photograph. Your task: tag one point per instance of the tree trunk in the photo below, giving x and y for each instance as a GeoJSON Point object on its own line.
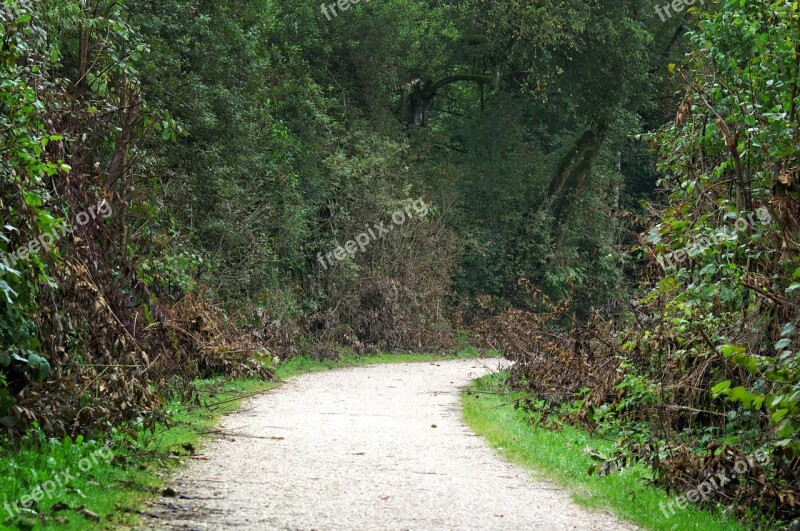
{"type": "Point", "coordinates": [418, 101]}
{"type": "Point", "coordinates": [569, 180]}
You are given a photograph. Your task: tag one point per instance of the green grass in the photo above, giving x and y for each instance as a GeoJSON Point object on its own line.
{"type": "Point", "coordinates": [104, 489]}
{"type": "Point", "coordinates": [113, 491]}
{"type": "Point", "coordinates": [303, 364]}
{"type": "Point", "coordinates": [560, 455]}
{"type": "Point", "coordinates": [143, 457]}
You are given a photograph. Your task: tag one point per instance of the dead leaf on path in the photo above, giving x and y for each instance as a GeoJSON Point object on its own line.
{"type": "Point", "coordinates": [434, 426]}
{"type": "Point", "coordinates": [384, 498]}
{"type": "Point", "coordinates": [277, 438]}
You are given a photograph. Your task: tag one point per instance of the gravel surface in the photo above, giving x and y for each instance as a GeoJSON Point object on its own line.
{"type": "Point", "coordinates": [378, 447]}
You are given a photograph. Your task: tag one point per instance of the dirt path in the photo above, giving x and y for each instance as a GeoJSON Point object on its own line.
{"type": "Point", "coordinates": [380, 447]}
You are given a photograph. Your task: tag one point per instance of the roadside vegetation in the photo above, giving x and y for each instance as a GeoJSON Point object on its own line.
{"type": "Point", "coordinates": [695, 371]}
{"type": "Point", "coordinates": [111, 492]}
{"type": "Point", "coordinates": [542, 441]}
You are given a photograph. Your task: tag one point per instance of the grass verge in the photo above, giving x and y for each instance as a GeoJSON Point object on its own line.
{"type": "Point", "coordinates": [303, 365]}
{"type": "Point", "coordinates": [85, 484]}
{"type": "Point", "coordinates": [560, 455]}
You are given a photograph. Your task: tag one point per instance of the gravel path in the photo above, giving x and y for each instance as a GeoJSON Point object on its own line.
{"type": "Point", "coordinates": [379, 447]}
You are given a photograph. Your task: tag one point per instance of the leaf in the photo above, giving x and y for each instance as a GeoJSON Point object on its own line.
{"type": "Point", "coordinates": [778, 415]}
{"type": "Point", "coordinates": [4, 267]}
{"type": "Point", "coordinates": [722, 386]}
{"type": "Point", "coordinates": [730, 350]}
{"type": "Point", "coordinates": [655, 236]}
{"type": "Point", "coordinates": [740, 394]}
{"type": "Point", "coordinates": [783, 343]}
{"type": "Point", "coordinates": [7, 288]}
{"type": "Point", "coordinates": [40, 365]}
{"type": "Point", "coordinates": [32, 199]}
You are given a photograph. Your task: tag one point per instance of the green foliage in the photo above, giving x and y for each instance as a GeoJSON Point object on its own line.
{"type": "Point", "coordinates": [729, 268]}
{"type": "Point", "coordinates": [23, 169]}
{"type": "Point", "coordinates": [638, 392]}
{"type": "Point", "coordinates": [171, 274]}
{"type": "Point", "coordinates": [776, 389]}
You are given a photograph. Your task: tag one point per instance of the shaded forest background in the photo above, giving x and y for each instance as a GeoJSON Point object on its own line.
{"type": "Point", "coordinates": [585, 164]}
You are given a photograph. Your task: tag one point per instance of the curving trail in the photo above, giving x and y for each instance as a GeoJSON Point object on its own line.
{"type": "Point", "coordinates": [356, 449]}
